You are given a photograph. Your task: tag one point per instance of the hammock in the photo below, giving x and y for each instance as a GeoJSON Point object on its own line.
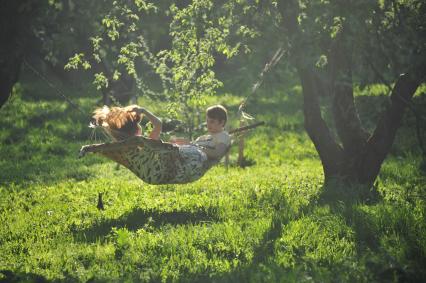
{"type": "Point", "coordinates": [157, 162]}
{"type": "Point", "coordinates": [154, 161]}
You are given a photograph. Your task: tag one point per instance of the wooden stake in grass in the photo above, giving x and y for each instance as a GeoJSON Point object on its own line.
{"type": "Point", "coordinates": [241, 130]}
{"type": "Point", "coordinates": [241, 147]}
{"type": "Point", "coordinates": [100, 205]}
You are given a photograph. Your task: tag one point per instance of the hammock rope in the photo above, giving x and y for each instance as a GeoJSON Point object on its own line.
{"type": "Point", "coordinates": [55, 88]}
{"type": "Point", "coordinates": [279, 53]}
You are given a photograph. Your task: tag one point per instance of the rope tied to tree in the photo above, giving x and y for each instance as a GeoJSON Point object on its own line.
{"type": "Point", "coordinates": [51, 85]}
{"type": "Point", "coordinates": [279, 53]}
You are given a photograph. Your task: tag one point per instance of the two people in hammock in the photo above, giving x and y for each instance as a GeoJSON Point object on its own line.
{"type": "Point", "coordinates": [123, 122]}
{"type": "Point", "coordinates": [150, 159]}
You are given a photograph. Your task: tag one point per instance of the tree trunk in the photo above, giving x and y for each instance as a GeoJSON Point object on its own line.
{"type": "Point", "coordinates": [9, 74]}
{"type": "Point", "coordinates": [364, 153]}
{"type": "Point", "coordinates": [15, 18]}
{"type": "Point", "coordinates": [380, 142]}
{"type": "Point", "coordinates": [330, 152]}
{"type": "Point", "coordinates": [11, 49]}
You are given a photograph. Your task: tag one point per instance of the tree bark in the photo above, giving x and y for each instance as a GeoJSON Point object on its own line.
{"type": "Point", "coordinates": [15, 22]}
{"type": "Point", "coordinates": [11, 49]}
{"type": "Point", "coordinates": [380, 142]}
{"type": "Point", "coordinates": [348, 125]}
{"type": "Point", "coordinates": [329, 150]}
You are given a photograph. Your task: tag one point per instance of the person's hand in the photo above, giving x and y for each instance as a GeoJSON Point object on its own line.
{"type": "Point", "coordinates": [83, 151]}
{"type": "Point", "coordinates": [179, 140]}
{"type": "Point", "coordinates": [141, 110]}
{"type": "Point", "coordinates": [137, 109]}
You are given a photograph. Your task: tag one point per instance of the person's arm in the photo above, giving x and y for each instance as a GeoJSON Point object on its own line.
{"type": "Point", "coordinates": [179, 141]}
{"type": "Point", "coordinates": [155, 121]}
{"type": "Point", "coordinates": [217, 152]}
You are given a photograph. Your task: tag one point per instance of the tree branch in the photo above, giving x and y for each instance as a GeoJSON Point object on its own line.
{"type": "Point", "coordinates": [348, 124]}
{"type": "Point", "coordinates": [329, 150]}
{"type": "Point", "coordinates": [380, 142]}
{"type": "Point", "coordinates": [409, 104]}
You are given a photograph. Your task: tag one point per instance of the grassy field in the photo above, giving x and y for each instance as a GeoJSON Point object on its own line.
{"type": "Point", "coordinates": [259, 224]}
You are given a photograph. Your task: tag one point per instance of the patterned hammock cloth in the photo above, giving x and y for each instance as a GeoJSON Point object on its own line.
{"type": "Point", "coordinates": [154, 161]}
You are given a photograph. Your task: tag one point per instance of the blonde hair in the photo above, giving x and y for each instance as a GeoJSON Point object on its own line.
{"type": "Point", "coordinates": [118, 122]}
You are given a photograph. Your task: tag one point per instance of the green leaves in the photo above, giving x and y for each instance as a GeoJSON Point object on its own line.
{"type": "Point", "coordinates": [100, 81]}
{"type": "Point", "coordinates": [76, 61]}
{"type": "Point", "coordinates": [197, 33]}
{"type": "Point", "coordinates": [127, 57]}
{"type": "Point", "coordinates": [144, 5]}
{"type": "Point", "coordinates": [96, 43]}
{"type": "Point", "coordinates": [112, 25]}
{"type": "Point", "coordinates": [322, 61]}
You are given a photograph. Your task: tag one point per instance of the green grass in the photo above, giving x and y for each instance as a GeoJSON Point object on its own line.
{"type": "Point", "coordinates": [259, 224]}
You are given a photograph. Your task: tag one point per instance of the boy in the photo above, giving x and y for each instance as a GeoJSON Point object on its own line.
{"type": "Point", "coordinates": [216, 143]}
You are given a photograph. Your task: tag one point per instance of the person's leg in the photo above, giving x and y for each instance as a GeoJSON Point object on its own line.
{"type": "Point", "coordinates": [129, 143]}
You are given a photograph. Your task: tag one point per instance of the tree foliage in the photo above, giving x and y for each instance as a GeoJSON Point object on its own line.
{"type": "Point", "coordinates": [124, 50]}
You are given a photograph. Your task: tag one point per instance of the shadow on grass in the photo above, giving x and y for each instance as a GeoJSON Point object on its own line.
{"type": "Point", "coordinates": [373, 256]}
{"type": "Point", "coordinates": [372, 232]}
{"type": "Point", "coordinates": [25, 163]}
{"type": "Point", "coordinates": [262, 268]}
{"type": "Point", "coordinates": [9, 276]}
{"type": "Point", "coordinates": [139, 218]}
{"type": "Point", "coordinates": [46, 169]}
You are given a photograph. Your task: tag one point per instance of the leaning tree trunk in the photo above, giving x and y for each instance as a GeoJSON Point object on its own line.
{"type": "Point", "coordinates": [363, 153]}
{"type": "Point", "coordinates": [15, 19]}
{"type": "Point", "coordinates": [10, 55]}
{"type": "Point", "coordinates": [379, 143]}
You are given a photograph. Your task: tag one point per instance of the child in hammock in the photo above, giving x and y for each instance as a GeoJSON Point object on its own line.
{"type": "Point", "coordinates": [216, 143]}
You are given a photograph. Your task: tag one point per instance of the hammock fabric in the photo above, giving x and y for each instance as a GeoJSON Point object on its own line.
{"type": "Point", "coordinates": [154, 161]}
